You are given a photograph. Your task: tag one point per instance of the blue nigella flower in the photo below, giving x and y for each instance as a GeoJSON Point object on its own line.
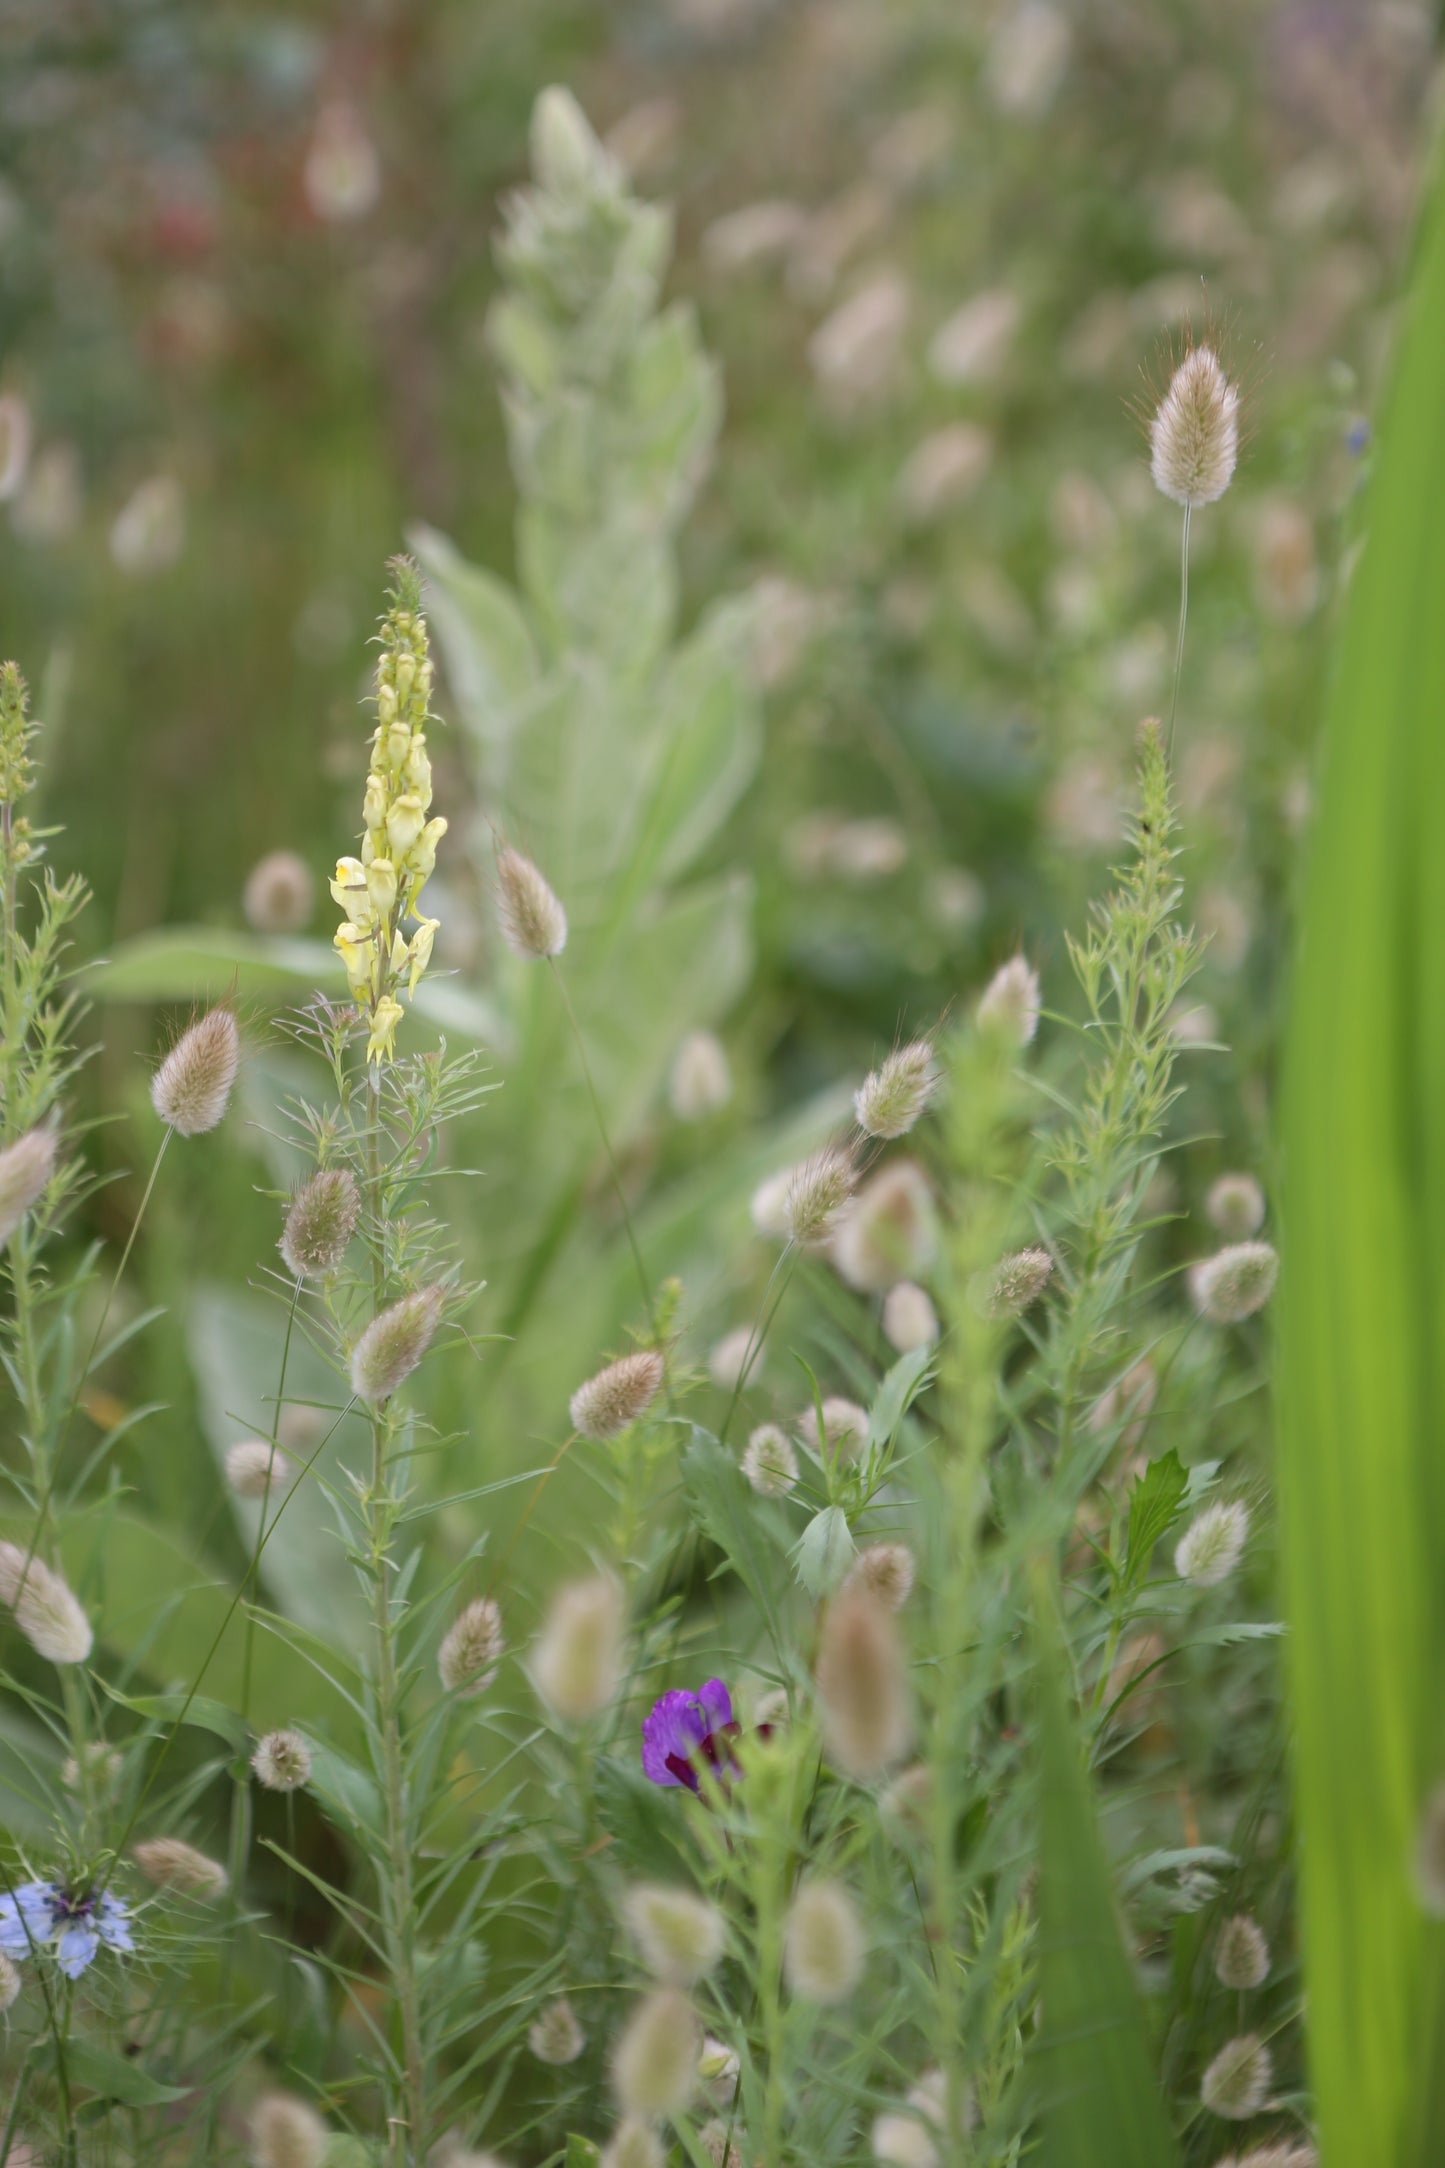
{"type": "Point", "coordinates": [76, 1922]}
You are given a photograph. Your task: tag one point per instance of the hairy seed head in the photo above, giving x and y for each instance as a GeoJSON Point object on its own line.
{"type": "Point", "coordinates": [1235, 1282]}
{"type": "Point", "coordinates": [863, 1686]}
{"type": "Point", "coordinates": [634, 2144]}
{"type": "Point", "coordinates": [769, 1463]}
{"type": "Point", "coordinates": [823, 1946]}
{"type": "Point", "coordinates": [607, 1403]}
{"type": "Point", "coordinates": [701, 1081]}
{"type": "Point", "coordinates": [394, 1343]}
{"type": "Point", "coordinates": [280, 893]}
{"type": "Point", "coordinates": [25, 1168]}
{"type": "Point", "coordinates": [817, 1193]}
{"type": "Point", "coordinates": [534, 923]}
{"type": "Point", "coordinates": [577, 1664]}
{"type": "Point", "coordinates": [844, 1432]}
{"type": "Point", "coordinates": [1194, 436]}
{"type": "Point", "coordinates": [471, 1647]}
{"type": "Point", "coordinates": [286, 2133]}
{"type": "Point", "coordinates": [46, 1610]}
{"type": "Point", "coordinates": [554, 2036]}
{"type": "Point", "coordinates": [654, 2064]}
{"type": "Point", "coordinates": [320, 1223]}
{"type": "Point", "coordinates": [171, 1863]}
{"type": "Point", "coordinates": [892, 1098]}
{"type": "Point", "coordinates": [252, 1467]}
{"type": "Point", "coordinates": [1235, 1205]}
{"type": "Point", "coordinates": [909, 1318]}
{"type": "Point", "coordinates": [1008, 1007]}
{"type": "Point", "coordinates": [1236, 2084]}
{"type": "Point", "coordinates": [1241, 1954]}
{"type": "Point", "coordinates": [9, 1983]}
{"type": "Point", "coordinates": [1019, 1280]}
{"type": "Point", "coordinates": [1209, 1550]}
{"type": "Point", "coordinates": [886, 1571]}
{"type": "Point", "coordinates": [735, 1353]}
{"type": "Point", "coordinates": [191, 1088]}
{"type": "Point", "coordinates": [889, 1230]}
{"type": "Point", "coordinates": [282, 1761]}
{"type": "Point", "coordinates": [679, 1935]}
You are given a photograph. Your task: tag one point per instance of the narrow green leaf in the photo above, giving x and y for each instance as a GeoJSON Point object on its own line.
{"type": "Point", "coordinates": [200, 1711]}
{"type": "Point", "coordinates": [114, 2077]}
{"type": "Point", "coordinates": [732, 1517]}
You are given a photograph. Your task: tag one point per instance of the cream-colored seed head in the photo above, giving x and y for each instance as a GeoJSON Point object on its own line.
{"type": "Point", "coordinates": [471, 1647]}
{"type": "Point", "coordinates": [577, 1664]}
{"type": "Point", "coordinates": [172, 1864]}
{"type": "Point", "coordinates": [532, 919]}
{"type": "Point", "coordinates": [1009, 1005]}
{"type": "Point", "coordinates": [679, 1935]}
{"type": "Point", "coordinates": [862, 1681]}
{"type": "Point", "coordinates": [554, 2036]}
{"type": "Point", "coordinates": [1241, 1954]}
{"type": "Point", "coordinates": [9, 1982]}
{"type": "Point", "coordinates": [192, 1087]}
{"type": "Point", "coordinates": [286, 2133]}
{"type": "Point", "coordinates": [25, 1168]}
{"type": "Point", "coordinates": [817, 1193]}
{"type": "Point", "coordinates": [633, 2144]}
{"type": "Point", "coordinates": [46, 1609]}
{"type": "Point", "coordinates": [893, 1098]}
{"type": "Point", "coordinates": [823, 1944]}
{"type": "Point", "coordinates": [252, 1468]}
{"type": "Point", "coordinates": [280, 894]}
{"type": "Point", "coordinates": [607, 1403]}
{"type": "Point", "coordinates": [1194, 436]}
{"type": "Point", "coordinates": [1237, 2083]}
{"type": "Point", "coordinates": [394, 1343]}
{"type": "Point", "coordinates": [769, 1462]}
{"type": "Point", "coordinates": [282, 1761]}
{"type": "Point", "coordinates": [887, 1572]}
{"type": "Point", "coordinates": [654, 2064]}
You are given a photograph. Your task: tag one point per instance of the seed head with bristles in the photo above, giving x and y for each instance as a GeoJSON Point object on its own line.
{"type": "Point", "coordinates": [173, 1864]}
{"type": "Point", "coordinates": [1282, 2155]}
{"type": "Point", "coordinates": [823, 1946]}
{"type": "Point", "coordinates": [886, 1571]}
{"type": "Point", "coordinates": [1235, 1282]}
{"type": "Point", "coordinates": [46, 1609]}
{"type": "Point", "coordinates": [1194, 434]}
{"type": "Point", "coordinates": [252, 1468]}
{"type": "Point", "coordinates": [577, 1664]}
{"type": "Point", "coordinates": [473, 1643]}
{"type": "Point", "coordinates": [634, 2144]}
{"type": "Point", "coordinates": [679, 1935]}
{"type": "Point", "coordinates": [889, 1230]}
{"type": "Point", "coordinates": [769, 1463]}
{"type": "Point", "coordinates": [1018, 1281]}
{"type": "Point", "coordinates": [9, 1985]}
{"type": "Point", "coordinates": [817, 1193]}
{"type": "Point", "coordinates": [1241, 1954]}
{"type": "Point", "coordinates": [286, 2133]}
{"type": "Point", "coordinates": [394, 1343]}
{"type": "Point", "coordinates": [533, 921]}
{"type": "Point", "coordinates": [654, 2064]}
{"type": "Point", "coordinates": [1210, 1548]}
{"type": "Point", "coordinates": [280, 893]}
{"type": "Point", "coordinates": [701, 1081]}
{"type": "Point", "coordinates": [192, 1087]}
{"type": "Point", "coordinates": [1008, 1007]}
{"type": "Point", "coordinates": [1236, 2084]}
{"type": "Point", "coordinates": [909, 1318]}
{"type": "Point", "coordinates": [554, 2036]}
{"type": "Point", "coordinates": [862, 1685]}
{"type": "Point", "coordinates": [1235, 1205]}
{"type": "Point", "coordinates": [320, 1223]}
{"type": "Point", "coordinates": [282, 1761]}
{"type": "Point", "coordinates": [25, 1168]}
{"type": "Point", "coordinates": [891, 1100]}
{"type": "Point", "coordinates": [844, 1432]}
{"type": "Point", "coordinates": [606, 1404]}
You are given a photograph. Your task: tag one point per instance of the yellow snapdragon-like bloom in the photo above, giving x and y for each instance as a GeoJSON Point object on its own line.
{"type": "Point", "coordinates": [378, 892]}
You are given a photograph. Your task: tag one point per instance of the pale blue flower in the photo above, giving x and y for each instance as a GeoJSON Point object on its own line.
{"type": "Point", "coordinates": [76, 1922]}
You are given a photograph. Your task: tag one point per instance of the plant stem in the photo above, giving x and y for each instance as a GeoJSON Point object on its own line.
{"type": "Point", "coordinates": [1183, 620]}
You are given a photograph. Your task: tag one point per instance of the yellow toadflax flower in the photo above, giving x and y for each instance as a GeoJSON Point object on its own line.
{"type": "Point", "coordinates": [379, 892]}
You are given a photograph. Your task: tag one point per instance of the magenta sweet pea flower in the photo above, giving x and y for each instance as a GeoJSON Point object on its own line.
{"type": "Point", "coordinates": [688, 1732]}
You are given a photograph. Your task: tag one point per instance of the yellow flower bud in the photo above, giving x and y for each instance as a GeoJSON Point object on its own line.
{"type": "Point", "coordinates": [405, 672]}
{"type": "Point", "coordinates": [398, 744]}
{"type": "Point", "coordinates": [385, 704]}
{"type": "Point", "coordinates": [399, 953]}
{"type": "Point", "coordinates": [417, 773]}
{"type": "Point", "coordinates": [381, 886]}
{"type": "Point", "coordinates": [384, 1019]}
{"type": "Point", "coordinates": [422, 857]}
{"type": "Point", "coordinates": [419, 950]}
{"type": "Point", "coordinates": [404, 823]}
{"type": "Point", "coordinates": [373, 807]}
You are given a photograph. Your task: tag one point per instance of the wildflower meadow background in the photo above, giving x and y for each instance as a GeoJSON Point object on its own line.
{"type": "Point", "coordinates": [722, 1020]}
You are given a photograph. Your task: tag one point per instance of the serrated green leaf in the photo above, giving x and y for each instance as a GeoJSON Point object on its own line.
{"type": "Point", "coordinates": [824, 1552]}
{"type": "Point", "coordinates": [732, 1516]}
{"type": "Point", "coordinates": [1154, 1504]}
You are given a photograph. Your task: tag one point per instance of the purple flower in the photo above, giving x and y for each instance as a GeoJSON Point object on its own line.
{"type": "Point", "coordinates": [686, 1731]}
{"type": "Point", "coordinates": [77, 1923]}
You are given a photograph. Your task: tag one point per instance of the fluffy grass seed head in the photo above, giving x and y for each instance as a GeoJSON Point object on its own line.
{"type": "Point", "coordinates": [46, 1609]}
{"type": "Point", "coordinates": [471, 1648]}
{"type": "Point", "coordinates": [25, 1168]}
{"type": "Point", "coordinates": [633, 2144]}
{"type": "Point", "coordinates": [1009, 1005]}
{"type": "Point", "coordinates": [280, 894]}
{"type": "Point", "coordinates": [394, 1343]}
{"type": "Point", "coordinates": [887, 1571]}
{"type": "Point", "coordinates": [909, 1318]}
{"type": "Point", "coordinates": [817, 1192]}
{"type": "Point", "coordinates": [897, 1093]}
{"type": "Point", "coordinates": [1283, 2155]}
{"type": "Point", "coordinates": [1236, 2084]}
{"type": "Point", "coordinates": [723, 2141]}
{"type": "Point", "coordinates": [729, 1357]}
{"type": "Point", "coordinates": [1194, 434]}
{"type": "Point", "coordinates": [769, 1462]}
{"type": "Point", "coordinates": [192, 1087]}
{"type": "Point", "coordinates": [1211, 1546]}
{"type": "Point", "coordinates": [844, 1431]}
{"type": "Point", "coordinates": [679, 1935]}
{"type": "Point", "coordinates": [252, 1467]}
{"type": "Point", "coordinates": [286, 2133]}
{"type": "Point", "coordinates": [320, 1222]}
{"type": "Point", "coordinates": [610, 1402]}
{"type": "Point", "coordinates": [823, 1942]}
{"type": "Point", "coordinates": [654, 2064]}
{"type": "Point", "coordinates": [1234, 1283]}
{"type": "Point", "coordinates": [577, 1664]}
{"type": "Point", "coordinates": [554, 2035]}
{"type": "Point", "coordinates": [171, 1863]}
{"type": "Point", "coordinates": [9, 1982]}
{"type": "Point", "coordinates": [1235, 1205]}
{"type": "Point", "coordinates": [862, 1683]}
{"type": "Point", "coordinates": [888, 1231]}
{"type": "Point", "coordinates": [1241, 1954]}
{"type": "Point", "coordinates": [532, 919]}
{"type": "Point", "coordinates": [282, 1761]}
{"type": "Point", "coordinates": [701, 1082]}
{"type": "Point", "coordinates": [1018, 1281]}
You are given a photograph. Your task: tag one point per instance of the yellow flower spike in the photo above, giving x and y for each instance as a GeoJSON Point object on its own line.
{"type": "Point", "coordinates": [404, 823]}
{"type": "Point", "coordinates": [355, 948]}
{"type": "Point", "coordinates": [349, 884]}
{"type": "Point", "coordinates": [399, 953]}
{"type": "Point", "coordinates": [397, 745]}
{"type": "Point", "coordinates": [387, 1014]}
{"type": "Point", "coordinates": [386, 704]}
{"type": "Point", "coordinates": [381, 886]}
{"type": "Point", "coordinates": [422, 857]}
{"type": "Point", "coordinates": [373, 809]}
{"type": "Point", "coordinates": [419, 949]}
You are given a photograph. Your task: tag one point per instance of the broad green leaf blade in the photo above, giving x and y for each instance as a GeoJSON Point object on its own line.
{"type": "Point", "coordinates": [1099, 2099]}
{"type": "Point", "coordinates": [1154, 1502]}
{"type": "Point", "coordinates": [1362, 1434]}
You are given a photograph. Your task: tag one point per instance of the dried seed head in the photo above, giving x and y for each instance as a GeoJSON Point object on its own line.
{"type": "Point", "coordinates": [633, 2144]}
{"type": "Point", "coordinates": [46, 1610]}
{"type": "Point", "coordinates": [1236, 2084]}
{"type": "Point", "coordinates": [1241, 1954]}
{"type": "Point", "coordinates": [817, 1193]}
{"type": "Point", "coordinates": [701, 1081]}
{"type": "Point", "coordinates": [282, 1761]}
{"type": "Point", "coordinates": [770, 1464]}
{"type": "Point", "coordinates": [25, 1168]}
{"type": "Point", "coordinates": [863, 1686]}
{"type": "Point", "coordinates": [577, 1663]}
{"type": "Point", "coordinates": [1430, 1855]}
{"type": "Point", "coordinates": [618, 1395]}
{"type": "Point", "coordinates": [1235, 1205]}
{"type": "Point", "coordinates": [1194, 436]}
{"type": "Point", "coordinates": [1018, 1281]}
{"type": "Point", "coordinates": [285, 2133]}
{"type": "Point", "coordinates": [887, 1572]}
{"type": "Point", "coordinates": [1209, 1550]}
{"type": "Point", "coordinates": [320, 1223]}
{"type": "Point", "coordinates": [734, 1353]}
{"type": "Point", "coordinates": [534, 923]}
{"type": "Point", "coordinates": [9, 1982]}
{"type": "Point", "coordinates": [823, 1946]}
{"type": "Point", "coordinates": [844, 1433]}
{"type": "Point", "coordinates": [891, 1100]}
{"type": "Point", "coordinates": [192, 1086]}
{"type": "Point", "coordinates": [554, 2036]}
{"type": "Point", "coordinates": [1235, 1282]}
{"type": "Point", "coordinates": [909, 1318]}
{"type": "Point", "coordinates": [679, 1935]}
{"type": "Point", "coordinates": [252, 1467]}
{"type": "Point", "coordinates": [1009, 1005]}
{"type": "Point", "coordinates": [471, 1647]}
{"type": "Point", "coordinates": [280, 894]}
{"type": "Point", "coordinates": [654, 2064]}
{"type": "Point", "coordinates": [394, 1343]}
{"type": "Point", "coordinates": [172, 1864]}
{"type": "Point", "coordinates": [889, 1231]}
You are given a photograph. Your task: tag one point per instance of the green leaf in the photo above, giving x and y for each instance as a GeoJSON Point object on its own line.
{"type": "Point", "coordinates": [1362, 1299]}
{"type": "Point", "coordinates": [114, 2077]}
{"type": "Point", "coordinates": [824, 1552]}
{"type": "Point", "coordinates": [582, 2152]}
{"type": "Point", "coordinates": [1154, 1504]}
{"type": "Point", "coordinates": [897, 1393]}
{"type": "Point", "coordinates": [346, 1787]}
{"type": "Point", "coordinates": [733, 1517]}
{"type": "Point", "coordinates": [203, 1713]}
{"type": "Point", "coordinates": [1099, 2099]}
